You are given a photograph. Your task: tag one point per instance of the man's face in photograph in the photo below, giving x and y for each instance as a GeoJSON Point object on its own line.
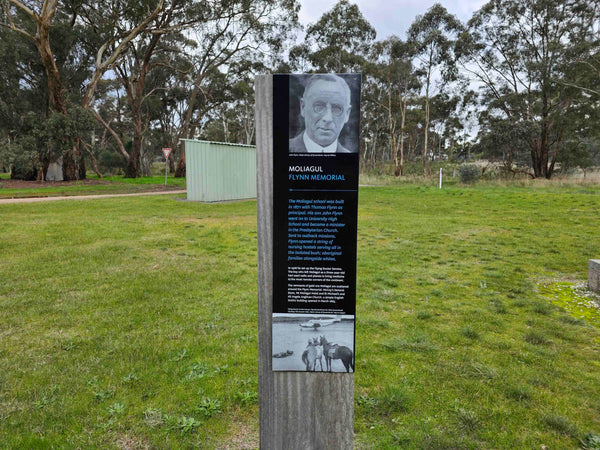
{"type": "Point", "coordinates": [326, 109]}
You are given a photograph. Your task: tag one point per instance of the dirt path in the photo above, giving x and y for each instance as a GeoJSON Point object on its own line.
{"type": "Point", "coordinates": [82, 197]}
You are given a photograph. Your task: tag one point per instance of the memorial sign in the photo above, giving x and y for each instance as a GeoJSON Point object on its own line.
{"type": "Point", "coordinates": [315, 200]}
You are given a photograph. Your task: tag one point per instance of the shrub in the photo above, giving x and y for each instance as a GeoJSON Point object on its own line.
{"type": "Point", "coordinates": [111, 162]}
{"type": "Point", "coordinates": [468, 173]}
{"type": "Point", "coordinates": [22, 158]}
{"type": "Point", "coordinates": [24, 167]}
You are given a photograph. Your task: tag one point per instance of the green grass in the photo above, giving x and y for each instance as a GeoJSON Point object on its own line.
{"type": "Point", "coordinates": [110, 185]}
{"type": "Point", "coordinates": [131, 322]}
{"type": "Point", "coordinates": [156, 179]}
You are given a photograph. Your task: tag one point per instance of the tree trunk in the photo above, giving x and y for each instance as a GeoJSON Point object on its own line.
{"type": "Point", "coordinates": [81, 166]}
{"type": "Point", "coordinates": [133, 164]}
{"type": "Point", "coordinates": [541, 147]}
{"type": "Point", "coordinates": [91, 155]}
{"type": "Point", "coordinates": [113, 134]}
{"type": "Point", "coordinates": [426, 143]}
{"type": "Point", "coordinates": [392, 132]}
{"type": "Point", "coordinates": [171, 161]}
{"type": "Point", "coordinates": [426, 140]}
{"type": "Point", "coordinates": [54, 82]}
{"type": "Point", "coordinates": [180, 170]}
{"type": "Point", "coordinates": [70, 166]}
{"type": "Point", "coordinates": [187, 130]}
{"type": "Point", "coordinates": [73, 160]}
{"type": "Point", "coordinates": [403, 112]}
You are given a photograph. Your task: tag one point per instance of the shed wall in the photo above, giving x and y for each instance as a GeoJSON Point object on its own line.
{"type": "Point", "coordinates": [217, 171]}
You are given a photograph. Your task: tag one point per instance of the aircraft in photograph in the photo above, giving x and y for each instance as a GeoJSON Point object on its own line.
{"type": "Point", "coordinates": [318, 323]}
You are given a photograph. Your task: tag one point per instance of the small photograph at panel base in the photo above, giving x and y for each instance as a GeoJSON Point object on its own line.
{"type": "Point", "coordinates": [313, 343]}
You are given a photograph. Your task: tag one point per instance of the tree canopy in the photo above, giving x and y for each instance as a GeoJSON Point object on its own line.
{"type": "Point", "coordinates": [106, 84]}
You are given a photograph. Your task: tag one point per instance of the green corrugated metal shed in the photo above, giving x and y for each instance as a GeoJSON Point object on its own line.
{"type": "Point", "coordinates": [217, 171]}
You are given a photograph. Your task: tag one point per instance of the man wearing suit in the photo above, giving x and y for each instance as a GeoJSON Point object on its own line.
{"type": "Point", "coordinates": [325, 107]}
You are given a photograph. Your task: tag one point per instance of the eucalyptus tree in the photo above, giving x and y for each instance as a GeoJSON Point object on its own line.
{"type": "Point", "coordinates": [26, 95]}
{"type": "Point", "coordinates": [22, 83]}
{"type": "Point", "coordinates": [524, 54]}
{"type": "Point", "coordinates": [433, 36]}
{"type": "Point", "coordinates": [158, 46]}
{"type": "Point", "coordinates": [236, 37]}
{"type": "Point", "coordinates": [41, 23]}
{"type": "Point", "coordinates": [234, 119]}
{"type": "Point", "coordinates": [198, 48]}
{"type": "Point", "coordinates": [374, 129]}
{"type": "Point", "coordinates": [391, 71]}
{"type": "Point", "coordinates": [338, 42]}
{"type": "Point", "coordinates": [456, 112]}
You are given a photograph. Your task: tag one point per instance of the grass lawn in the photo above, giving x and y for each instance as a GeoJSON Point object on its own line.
{"type": "Point", "coordinates": [91, 186]}
{"type": "Point", "coordinates": [131, 322]}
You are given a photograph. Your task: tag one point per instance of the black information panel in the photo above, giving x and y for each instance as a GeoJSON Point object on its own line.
{"type": "Point", "coordinates": [315, 165]}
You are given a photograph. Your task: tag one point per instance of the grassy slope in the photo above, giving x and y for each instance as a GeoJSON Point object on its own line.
{"type": "Point", "coordinates": [125, 322]}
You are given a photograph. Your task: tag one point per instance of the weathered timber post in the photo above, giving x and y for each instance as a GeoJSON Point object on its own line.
{"type": "Point", "coordinates": [594, 275]}
{"type": "Point", "coordinates": [297, 410]}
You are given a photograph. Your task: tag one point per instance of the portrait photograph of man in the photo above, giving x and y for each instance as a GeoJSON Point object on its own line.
{"type": "Point", "coordinates": [324, 113]}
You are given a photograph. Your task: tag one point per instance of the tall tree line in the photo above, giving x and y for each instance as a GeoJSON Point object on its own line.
{"type": "Point", "coordinates": [148, 73]}
{"type": "Point", "coordinates": [108, 83]}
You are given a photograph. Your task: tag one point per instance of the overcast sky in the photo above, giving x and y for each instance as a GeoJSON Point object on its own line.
{"type": "Point", "coordinates": [390, 16]}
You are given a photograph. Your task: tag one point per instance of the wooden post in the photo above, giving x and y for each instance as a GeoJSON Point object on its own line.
{"type": "Point", "coordinates": [297, 410]}
{"type": "Point", "coordinates": [594, 275]}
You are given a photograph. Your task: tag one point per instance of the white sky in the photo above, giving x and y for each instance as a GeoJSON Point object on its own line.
{"type": "Point", "coordinates": [390, 16]}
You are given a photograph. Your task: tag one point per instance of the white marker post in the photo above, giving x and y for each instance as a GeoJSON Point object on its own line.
{"type": "Point", "coordinates": [440, 177]}
{"type": "Point", "coordinates": [166, 152]}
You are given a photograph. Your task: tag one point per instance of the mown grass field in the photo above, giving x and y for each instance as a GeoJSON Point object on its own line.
{"type": "Point", "coordinates": [92, 186]}
{"type": "Point", "coordinates": [131, 322]}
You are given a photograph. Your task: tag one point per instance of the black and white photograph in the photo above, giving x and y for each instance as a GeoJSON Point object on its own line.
{"type": "Point", "coordinates": [313, 343]}
{"type": "Point", "coordinates": [324, 113]}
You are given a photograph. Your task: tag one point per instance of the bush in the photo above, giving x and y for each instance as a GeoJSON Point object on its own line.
{"type": "Point", "coordinates": [110, 162]}
{"type": "Point", "coordinates": [23, 158]}
{"type": "Point", "coordinates": [23, 168]}
{"type": "Point", "coordinates": [468, 173]}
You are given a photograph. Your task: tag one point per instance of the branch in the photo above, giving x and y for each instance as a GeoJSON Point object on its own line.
{"type": "Point", "coordinates": [523, 171]}
{"type": "Point", "coordinates": [149, 94]}
{"type": "Point", "coordinates": [25, 9]}
{"type": "Point", "coordinates": [125, 42]}
{"type": "Point", "coordinates": [11, 25]}
{"type": "Point", "coordinates": [582, 88]}
{"type": "Point", "coordinates": [173, 68]}
{"type": "Point", "coordinates": [101, 67]}
{"type": "Point", "coordinates": [92, 157]}
{"type": "Point", "coordinates": [112, 132]}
